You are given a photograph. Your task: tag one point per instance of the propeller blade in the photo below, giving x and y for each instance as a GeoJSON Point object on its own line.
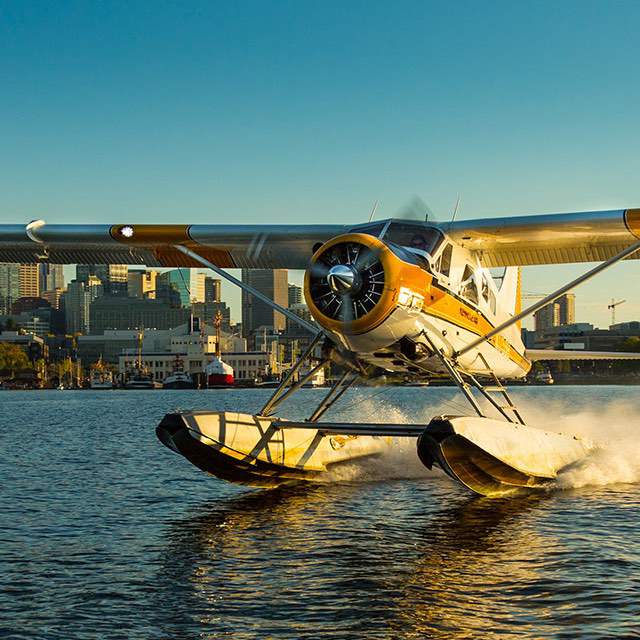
{"type": "Point", "coordinates": [346, 311]}
{"type": "Point", "coordinates": [416, 209]}
{"type": "Point", "coordinates": [319, 269]}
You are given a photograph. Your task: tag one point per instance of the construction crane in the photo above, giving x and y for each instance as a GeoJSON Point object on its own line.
{"type": "Point", "coordinates": [613, 306]}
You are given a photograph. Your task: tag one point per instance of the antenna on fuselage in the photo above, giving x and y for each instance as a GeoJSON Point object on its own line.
{"type": "Point", "coordinates": [455, 210]}
{"type": "Point", "coordinates": [373, 211]}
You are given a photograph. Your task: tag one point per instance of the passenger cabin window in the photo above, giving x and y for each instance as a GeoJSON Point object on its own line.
{"type": "Point", "coordinates": [444, 261]}
{"type": "Point", "coordinates": [468, 288]}
{"type": "Point", "coordinates": [485, 288]}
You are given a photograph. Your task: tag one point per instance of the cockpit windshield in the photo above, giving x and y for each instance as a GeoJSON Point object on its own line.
{"type": "Point", "coordinates": [414, 235]}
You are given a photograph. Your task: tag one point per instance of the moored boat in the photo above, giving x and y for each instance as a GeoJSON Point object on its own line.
{"type": "Point", "coordinates": [219, 374]}
{"type": "Point", "coordinates": [140, 379]}
{"type": "Point", "coordinates": [101, 379]}
{"type": "Point", "coordinates": [178, 378]}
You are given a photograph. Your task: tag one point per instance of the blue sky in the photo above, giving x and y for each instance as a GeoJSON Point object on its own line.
{"type": "Point", "coordinates": [307, 111]}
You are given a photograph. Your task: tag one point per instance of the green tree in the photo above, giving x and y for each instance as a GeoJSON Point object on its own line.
{"type": "Point", "coordinates": [12, 358]}
{"type": "Point", "coordinates": [9, 325]}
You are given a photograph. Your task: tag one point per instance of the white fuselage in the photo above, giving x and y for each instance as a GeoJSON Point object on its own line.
{"type": "Point", "coordinates": [464, 302]}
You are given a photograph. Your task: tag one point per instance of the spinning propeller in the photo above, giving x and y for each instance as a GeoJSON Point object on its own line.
{"type": "Point", "coordinates": [346, 281]}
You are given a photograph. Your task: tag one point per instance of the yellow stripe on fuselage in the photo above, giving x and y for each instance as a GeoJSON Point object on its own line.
{"type": "Point", "coordinates": [446, 306]}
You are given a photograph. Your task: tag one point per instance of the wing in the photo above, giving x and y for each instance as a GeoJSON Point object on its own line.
{"type": "Point", "coordinates": [549, 239]}
{"type": "Point", "coordinates": [549, 354]}
{"type": "Point", "coordinates": [227, 246]}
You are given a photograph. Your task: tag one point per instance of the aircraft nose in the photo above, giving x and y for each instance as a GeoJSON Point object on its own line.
{"type": "Point", "coordinates": [342, 279]}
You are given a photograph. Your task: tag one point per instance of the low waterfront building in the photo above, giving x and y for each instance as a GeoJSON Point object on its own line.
{"type": "Point", "coordinates": [584, 336]}
{"type": "Point", "coordinates": [112, 343]}
{"type": "Point", "coordinates": [248, 365]}
{"type": "Point", "coordinates": [195, 350]}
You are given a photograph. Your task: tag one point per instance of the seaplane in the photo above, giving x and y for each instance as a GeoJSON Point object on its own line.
{"type": "Point", "coordinates": [396, 299]}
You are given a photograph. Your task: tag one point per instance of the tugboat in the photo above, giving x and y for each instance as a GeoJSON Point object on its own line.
{"type": "Point", "coordinates": [101, 377]}
{"type": "Point", "coordinates": [178, 378]}
{"type": "Point", "coordinates": [544, 377]}
{"type": "Point", "coordinates": [138, 377]}
{"type": "Point", "coordinates": [218, 373]}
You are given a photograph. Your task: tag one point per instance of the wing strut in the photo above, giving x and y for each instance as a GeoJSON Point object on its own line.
{"type": "Point", "coordinates": [248, 288]}
{"type": "Point", "coordinates": [551, 297]}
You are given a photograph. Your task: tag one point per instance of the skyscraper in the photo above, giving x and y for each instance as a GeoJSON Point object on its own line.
{"type": "Point", "coordinates": [51, 277]}
{"type": "Point", "coordinates": [53, 297]}
{"type": "Point", "coordinates": [212, 289]}
{"type": "Point", "coordinates": [142, 284]}
{"type": "Point", "coordinates": [255, 313]}
{"type": "Point", "coordinates": [9, 286]}
{"type": "Point", "coordinates": [295, 295]}
{"type": "Point", "coordinates": [187, 282]}
{"type": "Point", "coordinates": [567, 308]}
{"type": "Point", "coordinates": [556, 314]}
{"type": "Point", "coordinates": [114, 277]}
{"type": "Point", "coordinates": [77, 302]}
{"type": "Point", "coordinates": [29, 280]}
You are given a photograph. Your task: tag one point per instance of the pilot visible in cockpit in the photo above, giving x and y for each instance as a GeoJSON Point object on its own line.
{"type": "Point", "coordinates": [419, 242]}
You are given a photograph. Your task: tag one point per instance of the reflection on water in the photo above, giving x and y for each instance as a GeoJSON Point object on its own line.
{"type": "Point", "coordinates": [301, 560]}
{"type": "Point", "coordinates": [107, 534]}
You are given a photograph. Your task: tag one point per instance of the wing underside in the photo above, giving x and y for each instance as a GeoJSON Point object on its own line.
{"type": "Point", "coordinates": [550, 238]}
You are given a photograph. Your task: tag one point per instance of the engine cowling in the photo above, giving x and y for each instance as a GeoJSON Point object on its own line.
{"type": "Point", "coordinates": [355, 281]}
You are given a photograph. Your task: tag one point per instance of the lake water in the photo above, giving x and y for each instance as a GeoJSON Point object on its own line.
{"type": "Point", "coordinates": [105, 533]}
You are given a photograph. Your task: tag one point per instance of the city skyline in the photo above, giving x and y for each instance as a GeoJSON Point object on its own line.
{"type": "Point", "coordinates": [231, 296]}
{"type": "Point", "coordinates": [126, 114]}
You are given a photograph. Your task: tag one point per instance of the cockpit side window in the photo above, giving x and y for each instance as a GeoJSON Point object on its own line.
{"type": "Point", "coordinates": [413, 256]}
{"type": "Point", "coordinates": [444, 261]}
{"type": "Point", "coordinates": [468, 287]}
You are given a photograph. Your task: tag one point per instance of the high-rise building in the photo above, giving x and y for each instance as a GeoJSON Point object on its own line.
{"type": "Point", "coordinates": [29, 280]}
{"type": "Point", "coordinates": [9, 286]}
{"type": "Point", "coordinates": [197, 286]}
{"type": "Point", "coordinates": [295, 295]}
{"type": "Point", "coordinates": [207, 311]}
{"type": "Point", "coordinates": [114, 277]}
{"type": "Point", "coordinates": [77, 303]}
{"type": "Point", "coordinates": [255, 313]}
{"type": "Point", "coordinates": [142, 284]}
{"type": "Point", "coordinates": [116, 312]}
{"type": "Point", "coordinates": [53, 297]}
{"type": "Point", "coordinates": [212, 289]}
{"type": "Point", "coordinates": [567, 309]}
{"type": "Point", "coordinates": [187, 282]}
{"type": "Point", "coordinates": [556, 314]}
{"type": "Point", "coordinates": [51, 277]}
{"type": "Point", "coordinates": [546, 317]}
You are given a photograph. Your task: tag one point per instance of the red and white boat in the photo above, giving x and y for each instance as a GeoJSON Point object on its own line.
{"type": "Point", "coordinates": [219, 373]}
